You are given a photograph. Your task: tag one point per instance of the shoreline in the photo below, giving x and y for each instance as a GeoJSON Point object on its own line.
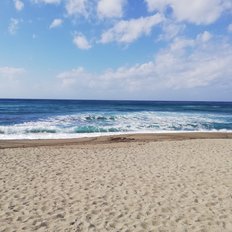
{"type": "Point", "coordinates": [107, 139]}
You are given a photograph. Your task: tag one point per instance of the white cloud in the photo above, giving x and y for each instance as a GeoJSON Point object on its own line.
{"type": "Point", "coordinates": [18, 5]}
{"type": "Point", "coordinates": [156, 4]}
{"type": "Point", "coordinates": [56, 23]}
{"type": "Point", "coordinates": [110, 8]}
{"type": "Point", "coordinates": [47, 1]}
{"type": "Point", "coordinates": [171, 30]}
{"type": "Point", "coordinates": [197, 11]}
{"type": "Point", "coordinates": [204, 37]}
{"type": "Point", "coordinates": [199, 69]}
{"type": "Point", "coordinates": [176, 68]}
{"type": "Point", "coordinates": [230, 27]}
{"type": "Point", "coordinates": [69, 78]}
{"type": "Point", "coordinates": [180, 44]}
{"type": "Point", "coordinates": [81, 42]}
{"type": "Point", "coordinates": [13, 26]}
{"type": "Point", "coordinates": [77, 7]}
{"type": "Point", "coordinates": [15, 83]}
{"type": "Point", "coordinates": [11, 72]}
{"type": "Point", "coordinates": [127, 31]}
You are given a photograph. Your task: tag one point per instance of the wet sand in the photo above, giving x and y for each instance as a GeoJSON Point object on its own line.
{"type": "Point", "coordinates": [164, 182]}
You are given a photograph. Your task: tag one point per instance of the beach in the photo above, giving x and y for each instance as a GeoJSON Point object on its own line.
{"type": "Point", "coordinates": [141, 182]}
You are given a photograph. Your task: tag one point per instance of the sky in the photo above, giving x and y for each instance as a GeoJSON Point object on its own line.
{"type": "Point", "coordinates": [116, 49]}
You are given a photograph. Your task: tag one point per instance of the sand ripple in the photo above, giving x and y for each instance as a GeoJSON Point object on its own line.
{"type": "Point", "coordinates": [155, 186]}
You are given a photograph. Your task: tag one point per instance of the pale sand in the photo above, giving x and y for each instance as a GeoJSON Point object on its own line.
{"type": "Point", "coordinates": [117, 184]}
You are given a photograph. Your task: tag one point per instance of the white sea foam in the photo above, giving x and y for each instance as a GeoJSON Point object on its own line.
{"type": "Point", "coordinates": [96, 124]}
{"type": "Point", "coordinates": [90, 135]}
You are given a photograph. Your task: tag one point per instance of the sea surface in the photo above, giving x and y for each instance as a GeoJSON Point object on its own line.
{"type": "Point", "coordinates": [43, 119]}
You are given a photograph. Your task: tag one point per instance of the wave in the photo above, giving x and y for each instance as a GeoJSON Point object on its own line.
{"type": "Point", "coordinates": [94, 124]}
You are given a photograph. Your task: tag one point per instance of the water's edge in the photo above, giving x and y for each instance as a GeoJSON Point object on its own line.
{"type": "Point", "coordinates": [109, 139]}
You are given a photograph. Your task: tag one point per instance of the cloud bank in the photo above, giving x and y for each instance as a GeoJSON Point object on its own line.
{"type": "Point", "coordinates": [185, 64]}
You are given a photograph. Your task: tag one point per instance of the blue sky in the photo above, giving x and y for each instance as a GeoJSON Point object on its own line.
{"type": "Point", "coordinates": [116, 49]}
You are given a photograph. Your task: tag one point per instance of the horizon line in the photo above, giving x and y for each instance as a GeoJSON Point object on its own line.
{"type": "Point", "coordinates": [128, 100]}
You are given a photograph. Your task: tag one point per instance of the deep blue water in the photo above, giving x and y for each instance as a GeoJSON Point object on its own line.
{"type": "Point", "coordinates": [77, 118]}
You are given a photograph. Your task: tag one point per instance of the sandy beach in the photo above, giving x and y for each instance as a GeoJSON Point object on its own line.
{"type": "Point", "coordinates": [166, 182]}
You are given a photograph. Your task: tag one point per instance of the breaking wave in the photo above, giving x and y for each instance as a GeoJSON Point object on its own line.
{"type": "Point", "coordinates": [93, 124]}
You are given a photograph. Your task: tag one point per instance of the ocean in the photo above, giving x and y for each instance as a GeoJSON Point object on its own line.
{"type": "Point", "coordinates": [53, 119]}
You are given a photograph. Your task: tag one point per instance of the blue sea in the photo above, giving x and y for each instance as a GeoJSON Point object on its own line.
{"type": "Point", "coordinates": [53, 119]}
